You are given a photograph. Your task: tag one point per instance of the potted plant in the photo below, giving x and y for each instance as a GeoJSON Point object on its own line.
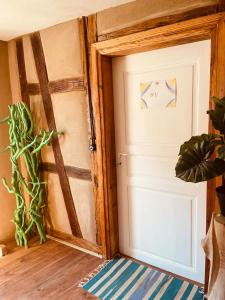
{"type": "Point", "coordinates": [203, 157]}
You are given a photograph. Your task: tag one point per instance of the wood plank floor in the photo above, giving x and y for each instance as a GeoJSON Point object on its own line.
{"type": "Point", "coordinates": [48, 271]}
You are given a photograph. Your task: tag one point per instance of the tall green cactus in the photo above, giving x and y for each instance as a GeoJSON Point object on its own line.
{"type": "Point", "coordinates": [25, 145]}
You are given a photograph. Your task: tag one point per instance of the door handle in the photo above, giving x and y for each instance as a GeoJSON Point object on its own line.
{"type": "Point", "coordinates": [123, 154]}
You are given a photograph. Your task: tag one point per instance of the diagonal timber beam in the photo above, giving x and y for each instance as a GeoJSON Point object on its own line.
{"type": "Point", "coordinates": [47, 102]}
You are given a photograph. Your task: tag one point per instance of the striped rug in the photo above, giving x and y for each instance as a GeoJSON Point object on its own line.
{"type": "Point", "coordinates": [122, 278]}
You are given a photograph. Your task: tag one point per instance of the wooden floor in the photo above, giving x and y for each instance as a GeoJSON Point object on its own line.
{"type": "Point", "coordinates": [49, 271]}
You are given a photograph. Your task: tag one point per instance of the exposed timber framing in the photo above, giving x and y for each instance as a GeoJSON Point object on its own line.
{"type": "Point", "coordinates": [66, 85]}
{"type": "Point", "coordinates": [59, 86]}
{"type": "Point", "coordinates": [33, 89]}
{"type": "Point", "coordinates": [147, 35]}
{"type": "Point", "coordinates": [22, 71]}
{"type": "Point", "coordinates": [179, 33]}
{"type": "Point", "coordinates": [210, 27]}
{"type": "Point", "coordinates": [162, 21]}
{"type": "Point", "coordinates": [88, 36]}
{"type": "Point", "coordinates": [91, 22]}
{"type": "Point", "coordinates": [217, 88]}
{"type": "Point", "coordinates": [47, 102]}
{"type": "Point", "coordinates": [72, 172]}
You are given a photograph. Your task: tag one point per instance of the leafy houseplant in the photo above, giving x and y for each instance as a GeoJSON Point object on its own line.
{"type": "Point", "coordinates": [25, 146]}
{"type": "Point", "coordinates": [203, 157]}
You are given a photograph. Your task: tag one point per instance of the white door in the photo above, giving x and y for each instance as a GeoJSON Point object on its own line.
{"type": "Point", "coordinates": [161, 98]}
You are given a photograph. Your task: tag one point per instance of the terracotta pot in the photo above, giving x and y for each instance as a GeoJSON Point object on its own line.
{"type": "Point", "coordinates": [220, 191]}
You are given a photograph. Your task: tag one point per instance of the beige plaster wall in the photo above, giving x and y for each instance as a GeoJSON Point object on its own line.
{"type": "Point", "coordinates": [61, 45]}
{"type": "Point", "coordinates": [7, 202]}
{"type": "Point", "coordinates": [131, 13]}
{"type": "Point", "coordinates": [13, 72]}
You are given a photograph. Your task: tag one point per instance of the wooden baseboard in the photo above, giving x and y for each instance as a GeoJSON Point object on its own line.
{"type": "Point", "coordinates": [60, 241]}
{"type": "Point", "coordinates": [81, 243]}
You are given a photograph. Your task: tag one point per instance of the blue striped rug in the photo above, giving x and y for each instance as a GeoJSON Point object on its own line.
{"type": "Point", "coordinates": [124, 279]}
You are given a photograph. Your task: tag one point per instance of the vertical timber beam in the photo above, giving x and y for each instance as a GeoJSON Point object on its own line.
{"type": "Point", "coordinates": [107, 105]}
{"type": "Point", "coordinates": [105, 159]}
{"type": "Point", "coordinates": [22, 71]}
{"type": "Point", "coordinates": [217, 89]}
{"type": "Point", "coordinates": [103, 108]}
{"type": "Point", "coordinates": [88, 35]}
{"type": "Point", "coordinates": [47, 102]}
{"type": "Point", "coordinates": [211, 184]}
{"type": "Point", "coordinates": [100, 133]}
{"type": "Point", "coordinates": [221, 59]}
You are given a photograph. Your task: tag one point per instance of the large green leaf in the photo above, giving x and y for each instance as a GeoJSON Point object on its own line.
{"type": "Point", "coordinates": [212, 140]}
{"type": "Point", "coordinates": [194, 164]}
{"type": "Point", "coordinates": [217, 115]}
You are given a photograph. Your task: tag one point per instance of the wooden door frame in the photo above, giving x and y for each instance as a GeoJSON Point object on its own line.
{"type": "Point", "coordinates": [208, 27]}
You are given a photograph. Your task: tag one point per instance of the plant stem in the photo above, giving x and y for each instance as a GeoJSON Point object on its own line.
{"type": "Point", "coordinates": [24, 145]}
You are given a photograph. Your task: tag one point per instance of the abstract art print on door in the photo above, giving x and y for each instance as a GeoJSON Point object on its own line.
{"type": "Point", "coordinates": [158, 93]}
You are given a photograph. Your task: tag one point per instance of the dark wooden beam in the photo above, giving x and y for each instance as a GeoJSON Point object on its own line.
{"type": "Point", "coordinates": [22, 72]}
{"type": "Point", "coordinates": [73, 172]}
{"type": "Point", "coordinates": [161, 21]}
{"type": "Point", "coordinates": [47, 102]}
{"type": "Point", "coordinates": [78, 173]}
{"type": "Point", "coordinates": [67, 85]}
{"type": "Point", "coordinates": [59, 86]}
{"type": "Point", "coordinates": [33, 88]}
